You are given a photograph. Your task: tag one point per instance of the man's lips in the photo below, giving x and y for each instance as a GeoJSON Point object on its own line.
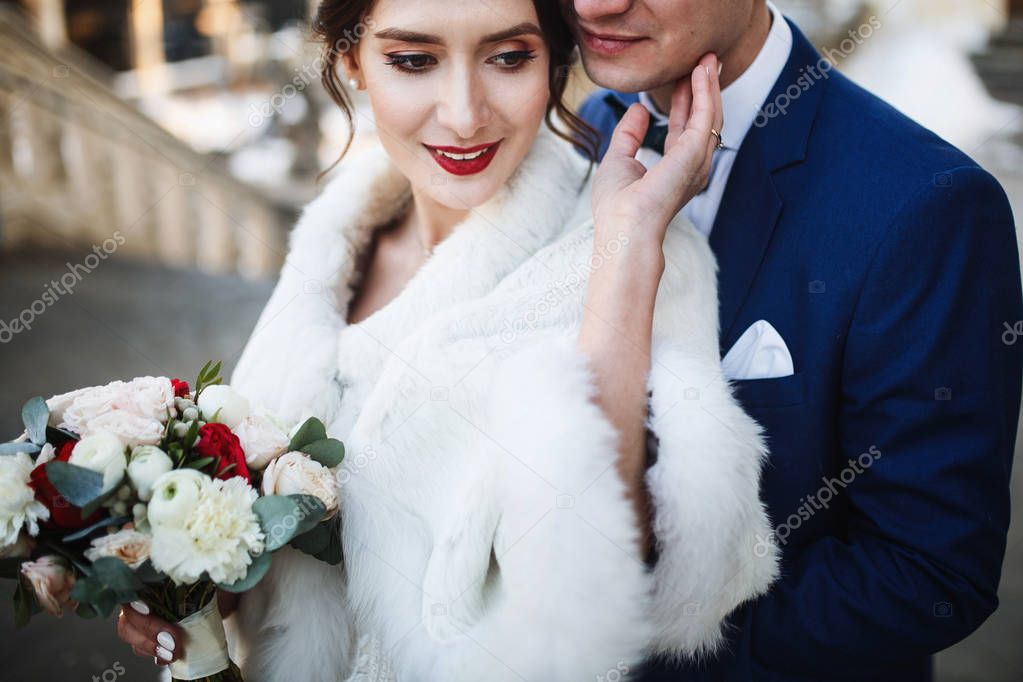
{"type": "Point", "coordinates": [606, 43]}
{"type": "Point", "coordinates": [464, 160]}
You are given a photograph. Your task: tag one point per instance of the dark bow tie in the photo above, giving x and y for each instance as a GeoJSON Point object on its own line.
{"type": "Point", "coordinates": [656, 134]}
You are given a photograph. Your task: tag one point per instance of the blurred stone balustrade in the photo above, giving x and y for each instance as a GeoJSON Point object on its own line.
{"type": "Point", "coordinates": [77, 164]}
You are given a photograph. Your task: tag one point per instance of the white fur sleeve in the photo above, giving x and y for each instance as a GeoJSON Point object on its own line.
{"type": "Point", "coordinates": [570, 598]}
{"type": "Point", "coordinates": [709, 522]}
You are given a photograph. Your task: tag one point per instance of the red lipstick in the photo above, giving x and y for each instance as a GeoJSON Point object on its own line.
{"type": "Point", "coordinates": [475, 162]}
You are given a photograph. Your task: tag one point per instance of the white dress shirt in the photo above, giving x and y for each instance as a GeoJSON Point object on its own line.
{"type": "Point", "coordinates": [742, 101]}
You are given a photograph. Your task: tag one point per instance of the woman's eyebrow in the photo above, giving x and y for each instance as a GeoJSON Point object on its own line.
{"type": "Point", "coordinates": [402, 35]}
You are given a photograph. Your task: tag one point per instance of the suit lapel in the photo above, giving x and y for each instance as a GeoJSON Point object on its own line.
{"type": "Point", "coordinates": [752, 205]}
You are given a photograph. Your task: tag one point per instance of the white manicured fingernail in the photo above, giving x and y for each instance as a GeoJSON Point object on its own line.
{"type": "Point", "coordinates": [163, 653]}
{"type": "Point", "coordinates": [720, 67]}
{"type": "Point", "coordinates": [165, 640]}
{"type": "Point", "coordinates": [141, 607]}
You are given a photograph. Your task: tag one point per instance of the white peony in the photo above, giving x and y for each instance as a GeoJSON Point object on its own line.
{"type": "Point", "coordinates": [102, 452]}
{"type": "Point", "coordinates": [218, 536]}
{"type": "Point", "coordinates": [147, 464]}
{"type": "Point", "coordinates": [233, 406]}
{"type": "Point", "coordinates": [296, 474]}
{"type": "Point", "coordinates": [262, 438]}
{"type": "Point", "coordinates": [51, 579]}
{"type": "Point", "coordinates": [149, 397]}
{"type": "Point", "coordinates": [131, 428]}
{"type": "Point", "coordinates": [87, 404]}
{"type": "Point", "coordinates": [19, 507]}
{"type": "Point", "coordinates": [175, 494]}
{"type": "Point", "coordinates": [128, 545]}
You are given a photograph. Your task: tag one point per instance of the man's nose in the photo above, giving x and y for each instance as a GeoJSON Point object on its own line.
{"type": "Point", "coordinates": [593, 10]}
{"type": "Point", "coordinates": [464, 106]}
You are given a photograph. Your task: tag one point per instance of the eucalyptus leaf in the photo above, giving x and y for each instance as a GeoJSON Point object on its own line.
{"type": "Point", "coordinates": [90, 507]}
{"type": "Point", "coordinates": [117, 578]}
{"type": "Point", "coordinates": [329, 451]}
{"type": "Point", "coordinates": [282, 517]}
{"type": "Point", "coordinates": [322, 542]}
{"type": "Point", "coordinates": [257, 569]}
{"type": "Point", "coordinates": [10, 568]}
{"type": "Point", "coordinates": [35, 414]}
{"type": "Point", "coordinates": [76, 484]}
{"type": "Point", "coordinates": [89, 530]}
{"type": "Point", "coordinates": [312, 430]}
{"type": "Point", "coordinates": [22, 605]}
{"type": "Point", "coordinates": [14, 448]}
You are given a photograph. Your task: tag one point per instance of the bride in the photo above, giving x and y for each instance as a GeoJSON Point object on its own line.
{"type": "Point", "coordinates": [501, 338]}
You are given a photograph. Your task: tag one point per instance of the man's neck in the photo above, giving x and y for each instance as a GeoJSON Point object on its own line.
{"type": "Point", "coordinates": [736, 60]}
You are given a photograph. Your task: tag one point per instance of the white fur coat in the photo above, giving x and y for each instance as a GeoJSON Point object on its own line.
{"type": "Point", "coordinates": [486, 533]}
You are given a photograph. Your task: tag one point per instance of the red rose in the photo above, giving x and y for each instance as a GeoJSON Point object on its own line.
{"type": "Point", "coordinates": [217, 441]}
{"type": "Point", "coordinates": [180, 388]}
{"type": "Point", "coordinates": [63, 515]}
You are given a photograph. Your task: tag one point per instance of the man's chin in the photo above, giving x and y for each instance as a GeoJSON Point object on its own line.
{"type": "Point", "coordinates": [620, 75]}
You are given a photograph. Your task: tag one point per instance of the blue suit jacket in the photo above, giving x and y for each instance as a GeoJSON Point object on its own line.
{"type": "Point", "coordinates": [887, 261]}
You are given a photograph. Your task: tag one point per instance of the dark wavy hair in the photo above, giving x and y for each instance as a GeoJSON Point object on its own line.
{"type": "Point", "coordinates": [339, 24]}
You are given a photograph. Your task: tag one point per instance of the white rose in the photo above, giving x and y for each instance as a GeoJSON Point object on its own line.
{"type": "Point", "coordinates": [175, 493]}
{"type": "Point", "coordinates": [128, 545]}
{"type": "Point", "coordinates": [58, 404]}
{"type": "Point", "coordinates": [147, 464]}
{"type": "Point", "coordinates": [131, 428]}
{"type": "Point", "coordinates": [262, 439]}
{"type": "Point", "coordinates": [295, 473]}
{"type": "Point", "coordinates": [18, 505]}
{"type": "Point", "coordinates": [51, 579]}
{"type": "Point", "coordinates": [89, 403]}
{"type": "Point", "coordinates": [149, 397]}
{"type": "Point", "coordinates": [233, 406]}
{"type": "Point", "coordinates": [102, 452]}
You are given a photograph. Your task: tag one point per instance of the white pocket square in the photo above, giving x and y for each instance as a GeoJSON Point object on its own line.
{"type": "Point", "coordinates": [760, 353]}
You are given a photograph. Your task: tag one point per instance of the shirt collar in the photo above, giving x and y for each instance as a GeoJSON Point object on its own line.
{"type": "Point", "coordinates": [742, 99]}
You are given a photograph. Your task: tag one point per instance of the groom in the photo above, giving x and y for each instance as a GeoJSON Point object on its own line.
{"type": "Point", "coordinates": [868, 275]}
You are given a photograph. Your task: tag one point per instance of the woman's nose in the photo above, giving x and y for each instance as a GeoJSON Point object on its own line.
{"type": "Point", "coordinates": [594, 10]}
{"type": "Point", "coordinates": [463, 106]}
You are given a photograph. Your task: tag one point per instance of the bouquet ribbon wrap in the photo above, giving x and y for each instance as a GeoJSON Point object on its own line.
{"type": "Point", "coordinates": [205, 645]}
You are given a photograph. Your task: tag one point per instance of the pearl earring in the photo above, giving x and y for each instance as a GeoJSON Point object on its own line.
{"type": "Point", "coordinates": [354, 83]}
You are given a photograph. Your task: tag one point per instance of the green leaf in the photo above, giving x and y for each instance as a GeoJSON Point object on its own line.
{"type": "Point", "coordinates": [89, 530]}
{"type": "Point", "coordinates": [192, 435]}
{"type": "Point", "coordinates": [329, 452]}
{"type": "Point", "coordinates": [322, 542]}
{"type": "Point", "coordinates": [10, 568]}
{"type": "Point", "coordinates": [35, 414]}
{"type": "Point", "coordinates": [312, 430]}
{"type": "Point", "coordinates": [15, 448]}
{"type": "Point", "coordinates": [116, 578]}
{"type": "Point", "coordinates": [257, 569]}
{"type": "Point", "coordinates": [147, 574]}
{"type": "Point", "coordinates": [199, 463]}
{"type": "Point", "coordinates": [282, 517]}
{"type": "Point", "coordinates": [97, 502]}
{"type": "Point", "coordinates": [23, 599]}
{"type": "Point", "coordinates": [76, 484]}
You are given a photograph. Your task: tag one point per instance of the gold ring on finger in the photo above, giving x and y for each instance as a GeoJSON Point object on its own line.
{"type": "Point", "coordinates": [717, 134]}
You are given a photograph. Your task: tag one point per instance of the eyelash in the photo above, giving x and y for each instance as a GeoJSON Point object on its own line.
{"type": "Point", "coordinates": [404, 62]}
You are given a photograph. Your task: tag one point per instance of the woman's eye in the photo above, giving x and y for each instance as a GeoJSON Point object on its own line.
{"type": "Point", "coordinates": [410, 63]}
{"type": "Point", "coordinates": [514, 59]}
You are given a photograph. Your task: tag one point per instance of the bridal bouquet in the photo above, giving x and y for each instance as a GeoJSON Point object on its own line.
{"type": "Point", "coordinates": [151, 490]}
